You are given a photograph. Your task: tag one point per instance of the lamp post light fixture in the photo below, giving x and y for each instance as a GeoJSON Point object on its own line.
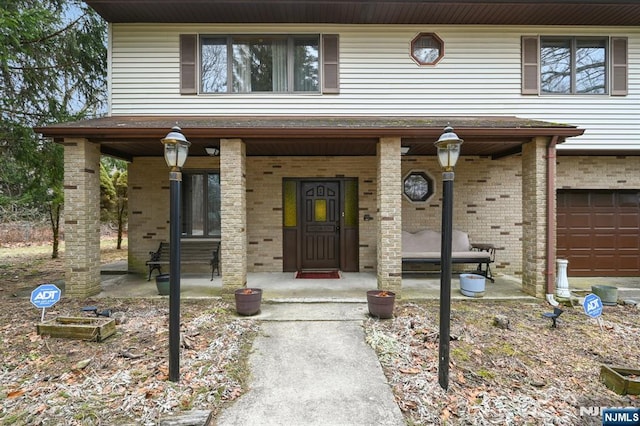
{"type": "Point", "coordinates": [176, 149]}
{"type": "Point", "coordinates": [448, 146]}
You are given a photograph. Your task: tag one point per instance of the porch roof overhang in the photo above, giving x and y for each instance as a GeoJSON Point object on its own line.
{"type": "Point", "coordinates": [139, 136]}
{"type": "Point", "coordinates": [464, 12]}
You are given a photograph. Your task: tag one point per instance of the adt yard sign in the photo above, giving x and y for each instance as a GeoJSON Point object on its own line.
{"type": "Point", "coordinates": [592, 305]}
{"type": "Point", "coordinates": [45, 296]}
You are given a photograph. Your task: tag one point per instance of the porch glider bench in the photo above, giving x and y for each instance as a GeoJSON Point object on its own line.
{"type": "Point", "coordinates": [192, 252]}
{"type": "Point", "coordinates": [424, 247]}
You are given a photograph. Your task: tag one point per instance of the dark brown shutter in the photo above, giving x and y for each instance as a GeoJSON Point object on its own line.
{"type": "Point", "coordinates": [619, 66]}
{"type": "Point", "coordinates": [530, 65]}
{"type": "Point", "coordinates": [330, 64]}
{"type": "Point", "coordinates": [188, 56]}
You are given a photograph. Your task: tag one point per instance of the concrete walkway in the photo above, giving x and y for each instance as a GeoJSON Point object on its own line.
{"type": "Point", "coordinates": [311, 366]}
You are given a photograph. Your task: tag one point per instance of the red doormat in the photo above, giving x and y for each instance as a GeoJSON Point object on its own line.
{"type": "Point", "coordinates": [318, 274]}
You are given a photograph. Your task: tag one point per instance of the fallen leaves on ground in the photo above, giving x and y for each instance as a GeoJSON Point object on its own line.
{"type": "Point", "coordinates": [525, 375]}
{"type": "Point", "coordinates": [528, 374]}
{"type": "Point", "coordinates": [124, 379]}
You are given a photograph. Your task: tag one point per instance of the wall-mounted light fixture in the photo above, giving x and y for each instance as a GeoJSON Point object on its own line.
{"type": "Point", "coordinates": [212, 151]}
{"type": "Point", "coordinates": [404, 150]}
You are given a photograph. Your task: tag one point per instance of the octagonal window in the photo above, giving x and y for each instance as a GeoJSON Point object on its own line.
{"type": "Point", "coordinates": [418, 186]}
{"type": "Point", "coordinates": [427, 49]}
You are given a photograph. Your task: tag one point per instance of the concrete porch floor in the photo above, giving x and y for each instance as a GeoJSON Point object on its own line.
{"type": "Point", "coordinates": [351, 287]}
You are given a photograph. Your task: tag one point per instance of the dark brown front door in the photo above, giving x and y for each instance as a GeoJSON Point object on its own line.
{"type": "Point", "coordinates": [320, 225]}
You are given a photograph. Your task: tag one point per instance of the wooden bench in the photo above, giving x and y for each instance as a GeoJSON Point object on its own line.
{"type": "Point", "coordinates": [192, 252]}
{"type": "Point", "coordinates": [424, 247]}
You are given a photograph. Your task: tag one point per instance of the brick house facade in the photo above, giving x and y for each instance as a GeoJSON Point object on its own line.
{"type": "Point", "coordinates": [506, 179]}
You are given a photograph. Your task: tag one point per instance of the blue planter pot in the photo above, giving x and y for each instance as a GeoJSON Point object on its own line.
{"type": "Point", "coordinates": [472, 285]}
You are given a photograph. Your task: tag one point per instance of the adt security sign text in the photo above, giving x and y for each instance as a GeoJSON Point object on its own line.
{"type": "Point", "coordinates": [45, 296]}
{"type": "Point", "coordinates": [592, 305]}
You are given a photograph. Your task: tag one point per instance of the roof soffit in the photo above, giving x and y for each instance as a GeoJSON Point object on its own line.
{"type": "Point", "coordinates": [465, 12]}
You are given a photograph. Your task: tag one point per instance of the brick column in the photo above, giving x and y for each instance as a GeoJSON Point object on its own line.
{"type": "Point", "coordinates": [81, 217]}
{"type": "Point", "coordinates": [389, 200]}
{"type": "Point", "coordinates": [534, 217]}
{"type": "Point", "coordinates": [233, 209]}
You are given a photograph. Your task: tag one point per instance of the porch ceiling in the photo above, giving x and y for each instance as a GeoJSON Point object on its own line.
{"type": "Point", "coordinates": [129, 137]}
{"type": "Point", "coordinates": [472, 12]}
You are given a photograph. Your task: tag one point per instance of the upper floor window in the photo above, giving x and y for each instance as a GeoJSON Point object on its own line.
{"type": "Point", "coordinates": [245, 64]}
{"type": "Point", "coordinates": [259, 64]}
{"type": "Point", "coordinates": [574, 65]}
{"type": "Point", "coordinates": [427, 49]}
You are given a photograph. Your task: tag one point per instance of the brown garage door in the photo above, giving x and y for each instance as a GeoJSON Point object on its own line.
{"type": "Point", "coordinates": [599, 232]}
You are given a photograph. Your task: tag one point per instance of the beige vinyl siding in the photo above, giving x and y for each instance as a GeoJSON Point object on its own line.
{"type": "Point", "coordinates": [480, 74]}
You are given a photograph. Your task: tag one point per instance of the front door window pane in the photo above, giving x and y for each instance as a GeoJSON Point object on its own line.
{"type": "Point", "coordinates": [321, 211]}
{"type": "Point", "coordinates": [290, 203]}
{"type": "Point", "coordinates": [351, 203]}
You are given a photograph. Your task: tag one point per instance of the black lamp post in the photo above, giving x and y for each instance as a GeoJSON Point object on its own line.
{"type": "Point", "coordinates": [176, 149]}
{"type": "Point", "coordinates": [448, 146]}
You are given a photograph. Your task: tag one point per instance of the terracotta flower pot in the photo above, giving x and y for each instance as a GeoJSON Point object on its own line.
{"type": "Point", "coordinates": [248, 301]}
{"type": "Point", "coordinates": [381, 303]}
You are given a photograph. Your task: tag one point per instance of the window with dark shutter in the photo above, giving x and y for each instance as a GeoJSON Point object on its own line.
{"type": "Point", "coordinates": [530, 66]}
{"type": "Point", "coordinates": [566, 65]}
{"type": "Point", "coordinates": [269, 63]}
{"type": "Point", "coordinates": [188, 70]}
{"type": "Point", "coordinates": [619, 66]}
{"type": "Point", "coordinates": [330, 64]}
